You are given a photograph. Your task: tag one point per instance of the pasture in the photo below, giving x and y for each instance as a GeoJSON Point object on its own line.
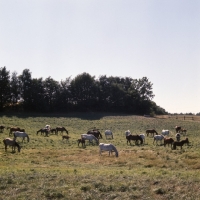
{"type": "Point", "coordinates": [53, 168]}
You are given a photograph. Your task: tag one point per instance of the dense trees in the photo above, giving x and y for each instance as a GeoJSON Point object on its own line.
{"type": "Point", "coordinates": [83, 93]}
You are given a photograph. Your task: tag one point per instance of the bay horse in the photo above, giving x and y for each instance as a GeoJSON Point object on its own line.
{"type": "Point", "coordinates": [181, 143]}
{"type": "Point", "coordinates": [53, 130]}
{"type": "Point", "coordinates": [168, 141]}
{"type": "Point", "coordinates": [178, 129]}
{"type": "Point", "coordinates": [82, 141]}
{"type": "Point", "coordinates": [108, 147]}
{"type": "Point", "coordinates": [12, 143]}
{"type": "Point", "coordinates": [183, 131]}
{"type": "Point", "coordinates": [43, 130]}
{"type": "Point", "coordinates": [61, 129]}
{"type": "Point", "coordinates": [151, 131]}
{"type": "Point", "coordinates": [134, 137]}
{"type": "Point", "coordinates": [108, 134]}
{"type": "Point", "coordinates": [12, 129]}
{"type": "Point", "coordinates": [96, 133]}
{"type": "Point", "coordinates": [21, 134]}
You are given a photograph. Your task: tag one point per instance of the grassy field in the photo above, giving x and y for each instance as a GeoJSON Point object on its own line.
{"type": "Point", "coordinates": [50, 168]}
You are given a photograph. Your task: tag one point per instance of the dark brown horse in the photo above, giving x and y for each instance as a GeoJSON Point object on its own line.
{"type": "Point", "coordinates": [96, 133]}
{"type": "Point", "coordinates": [178, 129]}
{"type": "Point", "coordinates": [61, 129]}
{"type": "Point", "coordinates": [53, 130]}
{"type": "Point", "coordinates": [13, 129]}
{"type": "Point", "coordinates": [168, 141]}
{"type": "Point", "coordinates": [134, 137]}
{"type": "Point", "coordinates": [2, 128]}
{"type": "Point", "coordinates": [43, 130]}
{"type": "Point", "coordinates": [181, 143]}
{"type": "Point", "coordinates": [11, 142]}
{"type": "Point", "coordinates": [82, 141]}
{"type": "Point", "coordinates": [151, 131]}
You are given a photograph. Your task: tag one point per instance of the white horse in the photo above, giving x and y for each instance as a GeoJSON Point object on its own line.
{"type": "Point", "coordinates": [127, 133]}
{"type": "Point", "coordinates": [89, 137]}
{"type": "Point", "coordinates": [158, 138]}
{"type": "Point", "coordinates": [108, 134]}
{"type": "Point", "coordinates": [108, 147]}
{"type": "Point", "coordinates": [143, 137]}
{"type": "Point", "coordinates": [21, 134]}
{"type": "Point", "coordinates": [165, 132]}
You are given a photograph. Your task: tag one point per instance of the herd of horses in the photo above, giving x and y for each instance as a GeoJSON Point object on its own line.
{"type": "Point", "coordinates": [95, 135]}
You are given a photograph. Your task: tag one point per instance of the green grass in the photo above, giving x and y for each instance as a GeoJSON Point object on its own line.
{"type": "Point", "coordinates": [50, 168]}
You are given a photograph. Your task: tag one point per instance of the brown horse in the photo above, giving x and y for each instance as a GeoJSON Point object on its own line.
{"type": "Point", "coordinates": [82, 141]}
{"type": "Point", "coordinates": [178, 129]}
{"type": "Point", "coordinates": [43, 130]}
{"type": "Point", "coordinates": [65, 137]}
{"type": "Point", "coordinates": [181, 143]}
{"type": "Point", "coordinates": [12, 143]}
{"type": "Point", "coordinates": [97, 134]}
{"type": "Point", "coordinates": [134, 137]}
{"type": "Point", "coordinates": [183, 131]}
{"type": "Point", "coordinates": [53, 130]}
{"type": "Point", "coordinates": [2, 128]}
{"type": "Point", "coordinates": [168, 141]}
{"type": "Point", "coordinates": [151, 131]}
{"type": "Point", "coordinates": [61, 129]}
{"type": "Point", "coordinates": [13, 129]}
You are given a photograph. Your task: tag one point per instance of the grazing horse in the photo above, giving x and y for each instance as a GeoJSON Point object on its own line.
{"type": "Point", "coordinates": [2, 128]}
{"type": "Point", "coordinates": [65, 137]}
{"type": "Point", "coordinates": [165, 132]}
{"type": "Point", "coordinates": [12, 129]}
{"type": "Point", "coordinates": [178, 129]}
{"type": "Point", "coordinates": [108, 134]}
{"type": "Point", "coordinates": [96, 133]}
{"type": "Point", "coordinates": [168, 141]}
{"type": "Point", "coordinates": [21, 134]}
{"type": "Point", "coordinates": [152, 131]}
{"type": "Point", "coordinates": [43, 130]}
{"type": "Point", "coordinates": [82, 141]}
{"type": "Point", "coordinates": [53, 130]}
{"type": "Point", "coordinates": [181, 143]}
{"type": "Point", "coordinates": [61, 129]}
{"type": "Point", "coordinates": [158, 138]}
{"type": "Point", "coordinates": [134, 137]}
{"type": "Point", "coordinates": [89, 137]}
{"type": "Point", "coordinates": [12, 143]}
{"type": "Point", "coordinates": [108, 147]}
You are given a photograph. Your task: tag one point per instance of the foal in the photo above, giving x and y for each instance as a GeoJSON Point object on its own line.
{"type": "Point", "coordinates": [65, 137]}
{"type": "Point", "coordinates": [12, 143]}
{"type": "Point", "coordinates": [168, 141]}
{"type": "Point", "coordinates": [82, 141]}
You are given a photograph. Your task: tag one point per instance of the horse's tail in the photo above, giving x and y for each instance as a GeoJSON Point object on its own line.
{"type": "Point", "coordinates": [28, 138]}
{"type": "Point", "coordinates": [115, 150]}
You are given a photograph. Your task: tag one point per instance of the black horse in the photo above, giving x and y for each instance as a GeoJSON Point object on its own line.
{"type": "Point", "coordinates": [96, 133]}
{"type": "Point", "coordinates": [134, 137]}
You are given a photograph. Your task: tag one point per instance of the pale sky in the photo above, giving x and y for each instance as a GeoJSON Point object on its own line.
{"type": "Point", "coordinates": [159, 39]}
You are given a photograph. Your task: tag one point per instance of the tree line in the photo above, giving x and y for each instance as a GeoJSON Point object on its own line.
{"type": "Point", "coordinates": [82, 93]}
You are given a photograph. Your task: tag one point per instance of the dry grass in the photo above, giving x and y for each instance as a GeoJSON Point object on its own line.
{"type": "Point", "coordinates": [50, 168]}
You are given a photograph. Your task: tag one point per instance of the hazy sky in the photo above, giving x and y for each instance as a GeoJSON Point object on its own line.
{"type": "Point", "coordinates": [159, 39]}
